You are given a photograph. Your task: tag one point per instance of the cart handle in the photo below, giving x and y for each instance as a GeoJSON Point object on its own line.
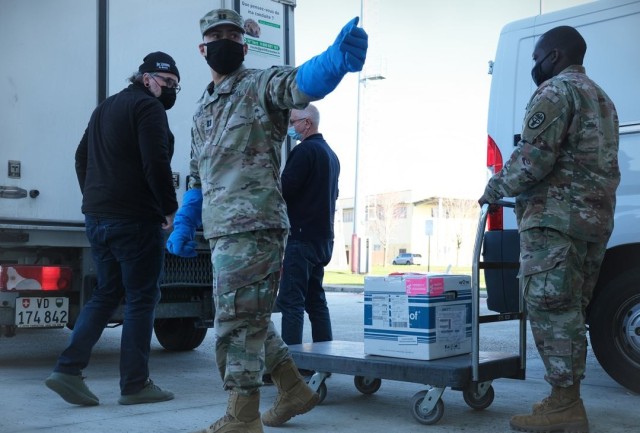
{"type": "Point", "coordinates": [475, 285]}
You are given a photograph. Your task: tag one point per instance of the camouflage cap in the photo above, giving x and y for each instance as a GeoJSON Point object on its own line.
{"type": "Point", "coordinates": [218, 17]}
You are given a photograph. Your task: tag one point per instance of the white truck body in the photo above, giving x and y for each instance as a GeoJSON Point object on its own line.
{"type": "Point", "coordinates": [61, 59]}
{"type": "Point", "coordinates": [611, 29]}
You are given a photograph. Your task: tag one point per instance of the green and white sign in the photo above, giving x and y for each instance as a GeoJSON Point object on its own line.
{"type": "Point", "coordinates": [263, 24]}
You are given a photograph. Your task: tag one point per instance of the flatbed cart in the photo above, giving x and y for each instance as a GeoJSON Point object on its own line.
{"type": "Point", "coordinates": [471, 373]}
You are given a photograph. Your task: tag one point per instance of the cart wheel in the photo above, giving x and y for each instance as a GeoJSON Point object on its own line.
{"type": "Point", "coordinates": [367, 385]}
{"type": "Point", "coordinates": [322, 392]}
{"type": "Point", "coordinates": [478, 403]}
{"type": "Point", "coordinates": [423, 417]}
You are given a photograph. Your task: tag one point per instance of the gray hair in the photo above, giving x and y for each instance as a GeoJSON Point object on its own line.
{"type": "Point", "coordinates": [311, 112]}
{"type": "Point", "coordinates": [136, 77]}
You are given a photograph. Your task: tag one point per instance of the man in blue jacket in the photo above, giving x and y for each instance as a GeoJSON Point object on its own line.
{"type": "Point", "coordinates": [310, 188]}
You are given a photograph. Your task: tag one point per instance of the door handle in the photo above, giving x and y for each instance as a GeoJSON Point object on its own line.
{"type": "Point", "coordinates": [12, 192]}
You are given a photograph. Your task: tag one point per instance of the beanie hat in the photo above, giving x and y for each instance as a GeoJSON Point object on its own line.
{"type": "Point", "coordinates": [159, 62]}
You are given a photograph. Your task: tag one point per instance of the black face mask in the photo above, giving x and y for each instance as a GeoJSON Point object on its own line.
{"type": "Point", "coordinates": [224, 56]}
{"type": "Point", "coordinates": [167, 97]}
{"type": "Point", "coordinates": [538, 75]}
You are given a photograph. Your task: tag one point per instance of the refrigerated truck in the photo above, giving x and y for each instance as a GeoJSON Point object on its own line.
{"type": "Point", "coordinates": [612, 31]}
{"type": "Point", "coordinates": [60, 58]}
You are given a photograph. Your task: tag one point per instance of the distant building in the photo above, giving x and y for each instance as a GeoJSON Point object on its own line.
{"type": "Point", "coordinates": [441, 229]}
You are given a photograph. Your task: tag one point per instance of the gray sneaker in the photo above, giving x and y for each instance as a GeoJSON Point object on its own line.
{"type": "Point", "coordinates": [150, 393]}
{"type": "Point", "coordinates": [72, 389]}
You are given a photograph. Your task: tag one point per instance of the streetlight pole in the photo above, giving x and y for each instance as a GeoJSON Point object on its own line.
{"type": "Point", "coordinates": [355, 244]}
{"type": "Point", "coordinates": [357, 205]}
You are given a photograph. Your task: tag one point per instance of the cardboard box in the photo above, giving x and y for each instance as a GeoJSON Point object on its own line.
{"type": "Point", "coordinates": [417, 316]}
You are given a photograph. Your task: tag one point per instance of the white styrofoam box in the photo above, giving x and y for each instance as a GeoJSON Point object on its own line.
{"type": "Point", "coordinates": [417, 316]}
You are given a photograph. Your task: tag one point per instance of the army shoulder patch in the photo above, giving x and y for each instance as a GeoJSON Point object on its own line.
{"type": "Point", "coordinates": [536, 120]}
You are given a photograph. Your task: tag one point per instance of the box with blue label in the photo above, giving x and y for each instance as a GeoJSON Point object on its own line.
{"type": "Point", "coordinates": [417, 316]}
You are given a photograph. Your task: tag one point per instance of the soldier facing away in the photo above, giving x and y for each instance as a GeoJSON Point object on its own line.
{"type": "Point", "coordinates": [564, 174]}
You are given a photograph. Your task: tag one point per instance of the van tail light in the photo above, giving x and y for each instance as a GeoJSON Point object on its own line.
{"type": "Point", "coordinates": [494, 163]}
{"type": "Point", "coordinates": [34, 277]}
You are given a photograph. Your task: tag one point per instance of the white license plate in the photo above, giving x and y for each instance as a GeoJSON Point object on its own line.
{"type": "Point", "coordinates": [42, 312]}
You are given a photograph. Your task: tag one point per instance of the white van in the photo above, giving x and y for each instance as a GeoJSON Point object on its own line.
{"type": "Point", "coordinates": [612, 31]}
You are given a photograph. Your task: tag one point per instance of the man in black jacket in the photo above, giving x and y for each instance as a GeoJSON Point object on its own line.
{"type": "Point", "coordinates": [124, 172]}
{"type": "Point", "coordinates": [310, 188]}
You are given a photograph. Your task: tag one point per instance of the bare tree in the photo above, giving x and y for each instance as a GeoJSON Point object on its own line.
{"type": "Point", "coordinates": [459, 212]}
{"type": "Point", "coordinates": [384, 213]}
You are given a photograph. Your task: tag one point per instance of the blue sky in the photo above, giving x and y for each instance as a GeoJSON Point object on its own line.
{"type": "Point", "coordinates": [424, 126]}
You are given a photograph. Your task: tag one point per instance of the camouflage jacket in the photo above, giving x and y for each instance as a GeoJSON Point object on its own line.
{"type": "Point", "coordinates": [236, 143]}
{"type": "Point", "coordinates": [564, 172]}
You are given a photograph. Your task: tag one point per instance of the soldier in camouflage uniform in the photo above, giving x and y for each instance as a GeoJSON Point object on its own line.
{"type": "Point", "coordinates": [237, 135]}
{"type": "Point", "coordinates": [564, 174]}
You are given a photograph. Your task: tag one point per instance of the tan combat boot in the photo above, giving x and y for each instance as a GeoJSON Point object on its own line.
{"type": "Point", "coordinates": [559, 396]}
{"type": "Point", "coordinates": [562, 411]}
{"type": "Point", "coordinates": [294, 395]}
{"type": "Point", "coordinates": [243, 416]}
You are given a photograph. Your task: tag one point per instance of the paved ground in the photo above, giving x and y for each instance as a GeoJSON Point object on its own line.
{"type": "Point", "coordinates": [26, 406]}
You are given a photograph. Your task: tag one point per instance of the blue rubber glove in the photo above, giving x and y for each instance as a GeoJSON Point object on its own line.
{"type": "Point", "coordinates": [188, 218]}
{"type": "Point", "coordinates": [320, 75]}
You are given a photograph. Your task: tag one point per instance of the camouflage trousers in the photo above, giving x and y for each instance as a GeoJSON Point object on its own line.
{"type": "Point", "coordinates": [558, 274]}
{"type": "Point", "coordinates": [246, 269]}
